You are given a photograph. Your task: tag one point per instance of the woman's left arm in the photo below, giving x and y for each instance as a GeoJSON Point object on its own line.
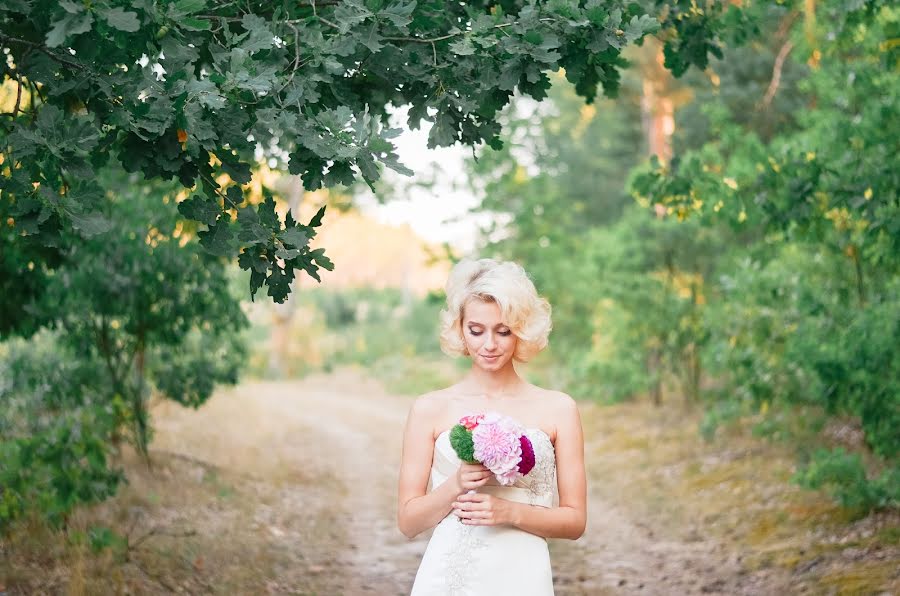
{"type": "Point", "coordinates": [565, 521]}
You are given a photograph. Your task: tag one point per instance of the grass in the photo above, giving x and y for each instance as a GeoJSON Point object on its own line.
{"type": "Point", "coordinates": [175, 527]}
{"type": "Point", "coordinates": [737, 490]}
{"type": "Point", "coordinates": [410, 375]}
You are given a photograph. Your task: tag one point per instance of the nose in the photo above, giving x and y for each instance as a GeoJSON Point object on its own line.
{"type": "Point", "coordinates": [489, 342]}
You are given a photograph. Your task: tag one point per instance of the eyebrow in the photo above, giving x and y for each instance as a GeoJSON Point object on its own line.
{"type": "Point", "coordinates": [483, 325]}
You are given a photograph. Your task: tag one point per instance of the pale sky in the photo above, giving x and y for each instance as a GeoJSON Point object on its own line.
{"type": "Point", "coordinates": [429, 211]}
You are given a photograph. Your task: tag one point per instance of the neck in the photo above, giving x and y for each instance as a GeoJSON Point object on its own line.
{"type": "Point", "coordinates": [497, 384]}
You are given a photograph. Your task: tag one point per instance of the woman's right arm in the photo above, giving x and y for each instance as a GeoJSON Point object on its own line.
{"type": "Point", "coordinates": [418, 510]}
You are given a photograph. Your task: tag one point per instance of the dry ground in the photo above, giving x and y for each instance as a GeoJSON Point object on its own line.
{"type": "Point", "coordinates": [289, 488]}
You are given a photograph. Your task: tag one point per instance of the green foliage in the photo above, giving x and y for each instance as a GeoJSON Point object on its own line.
{"type": "Point", "coordinates": [126, 314]}
{"type": "Point", "coordinates": [720, 414]}
{"type": "Point", "coordinates": [366, 325]}
{"type": "Point", "coordinates": [808, 314]}
{"type": "Point", "coordinates": [557, 178]}
{"type": "Point", "coordinates": [844, 476]}
{"type": "Point", "coordinates": [146, 306]}
{"type": "Point", "coordinates": [760, 274]}
{"type": "Point", "coordinates": [809, 309]}
{"type": "Point", "coordinates": [56, 433]}
{"type": "Point", "coordinates": [698, 33]}
{"type": "Point", "coordinates": [102, 537]}
{"type": "Point", "coordinates": [461, 441]}
{"type": "Point", "coordinates": [192, 90]}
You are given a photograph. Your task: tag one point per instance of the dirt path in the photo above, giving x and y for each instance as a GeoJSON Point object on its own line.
{"type": "Point", "coordinates": [328, 447]}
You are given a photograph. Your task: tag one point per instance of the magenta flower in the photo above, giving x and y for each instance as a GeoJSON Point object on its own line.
{"type": "Point", "coordinates": [498, 442]}
{"type": "Point", "coordinates": [527, 461]}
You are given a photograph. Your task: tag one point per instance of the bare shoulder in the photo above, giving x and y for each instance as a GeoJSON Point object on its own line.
{"type": "Point", "coordinates": [432, 406]}
{"type": "Point", "coordinates": [559, 407]}
{"type": "Point", "coordinates": [560, 402]}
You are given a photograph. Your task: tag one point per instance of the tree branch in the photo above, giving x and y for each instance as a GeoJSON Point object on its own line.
{"type": "Point", "coordinates": [158, 531]}
{"type": "Point", "coordinates": [215, 186]}
{"type": "Point", "coordinates": [15, 111]}
{"type": "Point", "coordinates": [43, 49]}
{"type": "Point", "coordinates": [776, 74]}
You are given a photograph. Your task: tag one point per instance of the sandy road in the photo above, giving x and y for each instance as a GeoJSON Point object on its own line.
{"type": "Point", "coordinates": [328, 447]}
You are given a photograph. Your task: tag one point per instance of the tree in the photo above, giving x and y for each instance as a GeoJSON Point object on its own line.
{"type": "Point", "coordinates": [198, 91]}
{"type": "Point", "coordinates": [811, 305]}
{"type": "Point", "coordinates": [137, 311]}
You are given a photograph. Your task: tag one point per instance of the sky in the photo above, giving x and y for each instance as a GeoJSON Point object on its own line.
{"type": "Point", "coordinates": [429, 211]}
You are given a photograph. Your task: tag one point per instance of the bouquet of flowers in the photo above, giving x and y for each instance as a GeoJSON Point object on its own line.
{"type": "Point", "coordinates": [498, 442]}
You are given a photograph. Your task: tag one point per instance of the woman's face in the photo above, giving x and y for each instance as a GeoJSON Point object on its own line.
{"type": "Point", "coordinates": [491, 344]}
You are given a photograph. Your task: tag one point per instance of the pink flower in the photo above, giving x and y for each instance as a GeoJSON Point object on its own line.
{"type": "Point", "coordinates": [497, 446]}
{"type": "Point", "coordinates": [470, 422]}
{"type": "Point", "coordinates": [509, 477]}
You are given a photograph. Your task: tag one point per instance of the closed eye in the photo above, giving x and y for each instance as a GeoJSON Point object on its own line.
{"type": "Point", "coordinates": [477, 333]}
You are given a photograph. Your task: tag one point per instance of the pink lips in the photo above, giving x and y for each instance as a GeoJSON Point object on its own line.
{"type": "Point", "coordinates": [490, 358]}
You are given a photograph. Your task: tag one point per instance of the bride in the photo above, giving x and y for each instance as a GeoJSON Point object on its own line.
{"type": "Point", "coordinates": [490, 539]}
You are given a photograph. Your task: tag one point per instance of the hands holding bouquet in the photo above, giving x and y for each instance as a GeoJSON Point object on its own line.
{"type": "Point", "coordinates": [488, 445]}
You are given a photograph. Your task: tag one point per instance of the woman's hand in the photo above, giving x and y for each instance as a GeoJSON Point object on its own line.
{"type": "Point", "coordinates": [480, 509]}
{"type": "Point", "coordinates": [471, 476]}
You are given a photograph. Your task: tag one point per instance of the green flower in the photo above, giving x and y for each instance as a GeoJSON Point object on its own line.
{"type": "Point", "coordinates": [461, 441]}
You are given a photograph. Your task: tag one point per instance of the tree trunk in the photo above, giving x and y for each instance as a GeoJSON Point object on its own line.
{"type": "Point", "coordinates": [654, 364]}
{"type": "Point", "coordinates": [657, 106]}
{"type": "Point", "coordinates": [694, 369]}
{"type": "Point", "coordinates": [139, 402]}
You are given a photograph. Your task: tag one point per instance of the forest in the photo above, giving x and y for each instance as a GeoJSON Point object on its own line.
{"type": "Point", "coordinates": [706, 192]}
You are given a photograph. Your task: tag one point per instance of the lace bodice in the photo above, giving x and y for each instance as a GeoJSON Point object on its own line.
{"type": "Point", "coordinates": [471, 560]}
{"type": "Point", "coordinates": [535, 488]}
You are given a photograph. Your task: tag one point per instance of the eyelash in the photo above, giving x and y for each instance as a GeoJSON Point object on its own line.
{"type": "Point", "coordinates": [477, 333]}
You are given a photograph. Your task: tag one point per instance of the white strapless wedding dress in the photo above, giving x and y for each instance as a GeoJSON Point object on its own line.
{"type": "Point", "coordinates": [463, 560]}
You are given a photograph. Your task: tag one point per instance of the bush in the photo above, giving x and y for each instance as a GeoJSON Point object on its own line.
{"type": "Point", "coordinates": [56, 433]}
{"type": "Point", "coordinates": [843, 475]}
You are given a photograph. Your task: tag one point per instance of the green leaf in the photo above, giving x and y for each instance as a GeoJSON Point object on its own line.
{"type": "Point", "coordinates": [316, 220]}
{"type": "Point", "coordinates": [279, 282]}
{"type": "Point", "coordinates": [294, 237]}
{"type": "Point", "coordinates": [399, 14]}
{"type": "Point", "coordinates": [287, 253]}
{"type": "Point", "coordinates": [70, 24]}
{"type": "Point", "coordinates": [463, 47]}
{"type": "Point", "coordinates": [371, 38]}
{"type": "Point", "coordinates": [443, 133]}
{"type": "Point", "coordinates": [186, 7]}
{"type": "Point", "coordinates": [250, 259]}
{"type": "Point", "coordinates": [639, 26]}
{"type": "Point", "coordinates": [321, 260]}
{"type": "Point", "coordinates": [340, 173]}
{"type": "Point", "coordinates": [393, 163]}
{"type": "Point", "coordinates": [260, 36]}
{"type": "Point", "coordinates": [218, 239]}
{"type": "Point", "coordinates": [121, 19]}
{"type": "Point", "coordinates": [200, 208]}
{"type": "Point", "coordinates": [349, 14]}
{"type": "Point", "coordinates": [206, 92]}
{"type": "Point", "coordinates": [236, 169]}
{"type": "Point", "coordinates": [266, 212]}
{"type": "Point", "coordinates": [193, 24]}
{"type": "Point", "coordinates": [90, 224]}
{"type": "Point", "coordinates": [71, 7]}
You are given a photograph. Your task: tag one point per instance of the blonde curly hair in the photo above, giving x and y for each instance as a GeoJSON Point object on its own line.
{"type": "Point", "coordinates": [507, 284]}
